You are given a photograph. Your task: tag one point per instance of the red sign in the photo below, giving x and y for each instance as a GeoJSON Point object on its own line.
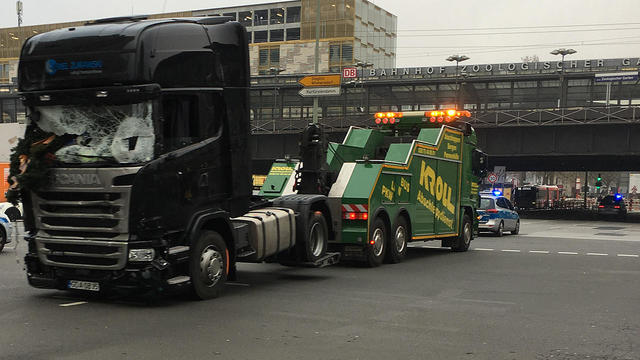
{"type": "Point", "coordinates": [349, 73]}
{"type": "Point", "coordinates": [492, 178]}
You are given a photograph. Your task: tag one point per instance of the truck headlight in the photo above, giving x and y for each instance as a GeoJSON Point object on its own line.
{"type": "Point", "coordinates": [141, 254]}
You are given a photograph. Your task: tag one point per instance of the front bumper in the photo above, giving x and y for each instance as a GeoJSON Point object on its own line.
{"type": "Point", "coordinates": [134, 278]}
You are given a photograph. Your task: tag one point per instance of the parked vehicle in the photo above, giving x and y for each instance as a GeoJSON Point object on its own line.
{"type": "Point", "coordinates": [13, 212]}
{"type": "Point", "coordinates": [497, 214]}
{"type": "Point", "coordinates": [537, 197]}
{"type": "Point", "coordinates": [5, 231]}
{"type": "Point", "coordinates": [612, 205]}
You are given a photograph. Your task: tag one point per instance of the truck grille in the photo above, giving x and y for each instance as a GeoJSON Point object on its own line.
{"type": "Point", "coordinates": [84, 225]}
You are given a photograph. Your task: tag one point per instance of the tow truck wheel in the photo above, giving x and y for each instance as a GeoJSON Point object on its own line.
{"type": "Point", "coordinates": [397, 247]}
{"type": "Point", "coordinates": [315, 245]}
{"type": "Point", "coordinates": [462, 242]}
{"type": "Point", "coordinates": [208, 266]}
{"type": "Point", "coordinates": [377, 244]}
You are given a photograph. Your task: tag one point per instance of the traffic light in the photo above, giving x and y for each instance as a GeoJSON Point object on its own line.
{"type": "Point", "coordinates": [598, 182]}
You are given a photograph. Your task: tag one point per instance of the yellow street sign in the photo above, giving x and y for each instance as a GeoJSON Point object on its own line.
{"type": "Point", "coordinates": [320, 80]}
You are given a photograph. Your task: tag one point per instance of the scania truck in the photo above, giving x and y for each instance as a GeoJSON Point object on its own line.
{"type": "Point", "coordinates": [134, 170]}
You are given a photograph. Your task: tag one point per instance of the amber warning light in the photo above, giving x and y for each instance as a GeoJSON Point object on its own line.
{"type": "Point", "coordinates": [388, 118]}
{"type": "Point", "coordinates": [445, 116]}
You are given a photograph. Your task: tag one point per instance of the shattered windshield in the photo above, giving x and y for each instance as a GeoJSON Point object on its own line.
{"type": "Point", "coordinates": [97, 133]}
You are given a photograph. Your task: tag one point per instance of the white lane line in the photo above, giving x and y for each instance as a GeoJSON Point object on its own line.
{"type": "Point", "coordinates": [567, 253]}
{"type": "Point", "coordinates": [597, 254]}
{"type": "Point", "coordinates": [628, 255]}
{"type": "Point", "coordinates": [510, 250]}
{"type": "Point", "coordinates": [538, 251]}
{"type": "Point", "coordinates": [73, 303]}
{"type": "Point", "coordinates": [482, 249]}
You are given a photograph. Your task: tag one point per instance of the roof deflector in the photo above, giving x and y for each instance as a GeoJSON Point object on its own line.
{"type": "Point", "coordinates": [117, 19]}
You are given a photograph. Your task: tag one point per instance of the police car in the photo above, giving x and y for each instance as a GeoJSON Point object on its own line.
{"type": "Point", "coordinates": [5, 231]}
{"type": "Point", "coordinates": [497, 214]}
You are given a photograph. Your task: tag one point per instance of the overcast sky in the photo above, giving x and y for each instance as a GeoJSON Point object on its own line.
{"type": "Point", "coordinates": [488, 31]}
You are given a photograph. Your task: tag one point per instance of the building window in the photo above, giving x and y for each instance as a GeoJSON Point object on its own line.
{"type": "Point", "coordinates": [293, 14]}
{"type": "Point", "coordinates": [260, 17]}
{"type": "Point", "coordinates": [232, 15]}
{"type": "Point", "coordinates": [340, 55]}
{"type": "Point", "coordinates": [277, 16]}
{"type": "Point", "coordinates": [269, 61]}
{"type": "Point", "coordinates": [276, 35]}
{"type": "Point", "coordinates": [245, 18]}
{"type": "Point", "coordinates": [260, 36]}
{"type": "Point", "coordinates": [293, 34]}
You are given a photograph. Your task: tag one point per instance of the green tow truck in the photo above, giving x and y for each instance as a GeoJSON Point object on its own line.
{"type": "Point", "coordinates": [412, 177]}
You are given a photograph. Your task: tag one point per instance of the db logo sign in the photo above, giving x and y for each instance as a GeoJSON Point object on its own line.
{"type": "Point", "coordinates": [349, 73]}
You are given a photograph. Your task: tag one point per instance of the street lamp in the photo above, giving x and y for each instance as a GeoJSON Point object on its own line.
{"type": "Point", "coordinates": [562, 52]}
{"type": "Point", "coordinates": [275, 71]}
{"type": "Point", "coordinates": [458, 59]}
{"type": "Point", "coordinates": [362, 65]}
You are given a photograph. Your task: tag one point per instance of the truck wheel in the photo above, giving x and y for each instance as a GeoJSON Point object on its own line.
{"type": "Point", "coordinates": [462, 242]}
{"type": "Point", "coordinates": [208, 266]}
{"type": "Point", "coordinates": [517, 229]}
{"type": "Point", "coordinates": [315, 244]}
{"type": "Point", "coordinates": [397, 247]}
{"type": "Point", "coordinates": [376, 246]}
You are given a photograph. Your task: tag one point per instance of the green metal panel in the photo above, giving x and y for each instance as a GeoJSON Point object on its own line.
{"type": "Point", "coordinates": [362, 181]}
{"type": "Point", "coordinates": [277, 178]}
{"type": "Point", "coordinates": [359, 142]}
{"type": "Point", "coordinates": [398, 153]}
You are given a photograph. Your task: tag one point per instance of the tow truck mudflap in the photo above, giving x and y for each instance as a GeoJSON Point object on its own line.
{"type": "Point", "coordinates": [328, 259]}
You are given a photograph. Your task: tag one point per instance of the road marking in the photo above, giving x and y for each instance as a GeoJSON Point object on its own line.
{"type": "Point", "coordinates": [567, 253]}
{"type": "Point", "coordinates": [538, 251]}
{"type": "Point", "coordinates": [628, 255]}
{"type": "Point", "coordinates": [597, 254]}
{"type": "Point", "coordinates": [73, 303]}
{"type": "Point", "coordinates": [510, 250]}
{"type": "Point", "coordinates": [482, 249]}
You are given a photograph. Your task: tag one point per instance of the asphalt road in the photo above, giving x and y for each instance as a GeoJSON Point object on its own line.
{"type": "Point", "coordinates": [559, 290]}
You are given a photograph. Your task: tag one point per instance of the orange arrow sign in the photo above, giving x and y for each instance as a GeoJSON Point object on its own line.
{"type": "Point", "coordinates": [320, 80]}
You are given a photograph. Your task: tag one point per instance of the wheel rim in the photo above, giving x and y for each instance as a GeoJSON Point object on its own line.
{"type": "Point", "coordinates": [401, 238]}
{"type": "Point", "coordinates": [467, 234]}
{"type": "Point", "coordinates": [378, 241]}
{"type": "Point", "coordinates": [317, 239]}
{"type": "Point", "coordinates": [211, 266]}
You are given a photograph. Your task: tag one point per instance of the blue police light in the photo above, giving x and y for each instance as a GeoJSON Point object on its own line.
{"type": "Point", "coordinates": [496, 192]}
{"type": "Point", "coordinates": [618, 197]}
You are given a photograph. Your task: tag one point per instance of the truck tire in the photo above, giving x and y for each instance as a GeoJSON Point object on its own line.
{"type": "Point", "coordinates": [376, 244]}
{"type": "Point", "coordinates": [400, 235]}
{"type": "Point", "coordinates": [208, 265]}
{"type": "Point", "coordinates": [314, 245]}
{"type": "Point", "coordinates": [462, 242]}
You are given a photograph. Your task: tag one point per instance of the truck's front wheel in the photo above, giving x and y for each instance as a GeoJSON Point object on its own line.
{"type": "Point", "coordinates": [3, 239]}
{"type": "Point", "coordinates": [209, 265]}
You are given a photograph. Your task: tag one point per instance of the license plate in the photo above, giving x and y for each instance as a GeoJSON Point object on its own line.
{"type": "Point", "coordinates": [83, 285]}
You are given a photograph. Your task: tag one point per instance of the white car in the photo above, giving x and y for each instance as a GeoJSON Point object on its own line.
{"type": "Point", "coordinates": [5, 231]}
{"type": "Point", "coordinates": [12, 212]}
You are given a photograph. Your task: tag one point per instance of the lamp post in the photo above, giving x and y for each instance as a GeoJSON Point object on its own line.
{"type": "Point", "coordinates": [275, 71]}
{"type": "Point", "coordinates": [562, 52]}
{"type": "Point", "coordinates": [362, 65]}
{"type": "Point", "coordinates": [458, 59]}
